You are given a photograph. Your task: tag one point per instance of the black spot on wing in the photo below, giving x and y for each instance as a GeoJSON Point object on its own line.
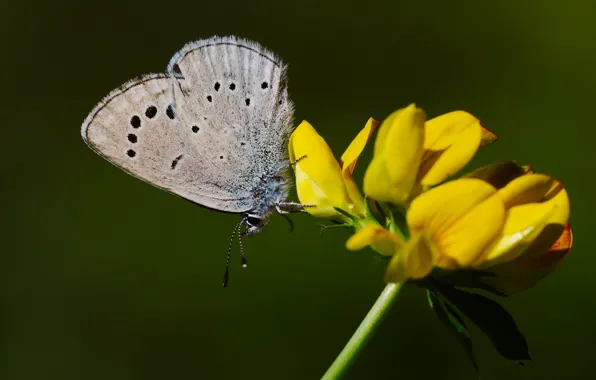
{"type": "Point", "coordinates": [135, 121]}
{"type": "Point", "coordinates": [170, 112]}
{"type": "Point", "coordinates": [175, 161]}
{"type": "Point", "coordinates": [151, 111]}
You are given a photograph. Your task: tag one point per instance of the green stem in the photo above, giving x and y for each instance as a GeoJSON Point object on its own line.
{"type": "Point", "coordinates": [364, 332]}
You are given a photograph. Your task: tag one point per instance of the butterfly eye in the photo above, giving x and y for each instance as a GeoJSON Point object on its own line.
{"type": "Point", "coordinates": [253, 221]}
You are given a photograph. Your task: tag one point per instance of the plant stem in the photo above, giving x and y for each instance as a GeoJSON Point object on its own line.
{"type": "Point", "coordinates": [364, 332]}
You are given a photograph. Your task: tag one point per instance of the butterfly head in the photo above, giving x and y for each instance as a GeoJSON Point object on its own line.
{"type": "Point", "coordinates": [254, 223]}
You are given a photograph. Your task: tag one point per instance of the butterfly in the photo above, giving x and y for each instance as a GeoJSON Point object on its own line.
{"type": "Point", "coordinates": [212, 129]}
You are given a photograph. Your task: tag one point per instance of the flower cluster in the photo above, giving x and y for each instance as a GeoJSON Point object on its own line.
{"type": "Point", "coordinates": [503, 219]}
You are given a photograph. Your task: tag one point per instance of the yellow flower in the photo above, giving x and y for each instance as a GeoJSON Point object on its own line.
{"type": "Point", "coordinates": [532, 266]}
{"type": "Point", "coordinates": [469, 223]}
{"type": "Point", "coordinates": [460, 219]}
{"type": "Point", "coordinates": [412, 154]}
{"type": "Point", "coordinates": [522, 265]}
{"type": "Point", "coordinates": [454, 222]}
{"type": "Point", "coordinates": [376, 236]}
{"type": "Point", "coordinates": [537, 214]}
{"type": "Point", "coordinates": [320, 180]}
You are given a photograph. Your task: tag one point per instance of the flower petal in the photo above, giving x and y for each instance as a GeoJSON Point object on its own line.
{"type": "Point", "coordinates": [529, 188]}
{"type": "Point", "coordinates": [464, 217]}
{"type": "Point", "coordinates": [498, 174]}
{"type": "Point", "coordinates": [319, 180]}
{"type": "Point", "coordinates": [397, 271]}
{"type": "Point", "coordinates": [522, 226]}
{"type": "Point", "coordinates": [310, 193]}
{"type": "Point", "coordinates": [381, 239]}
{"type": "Point", "coordinates": [538, 258]}
{"type": "Point", "coordinates": [565, 241]}
{"type": "Point", "coordinates": [356, 198]}
{"type": "Point", "coordinates": [450, 142]}
{"type": "Point", "coordinates": [423, 256]}
{"type": "Point", "coordinates": [487, 137]}
{"type": "Point", "coordinates": [443, 130]}
{"type": "Point", "coordinates": [524, 272]}
{"type": "Point", "coordinates": [415, 260]}
{"type": "Point", "coordinates": [348, 163]}
{"type": "Point", "coordinates": [529, 230]}
{"type": "Point", "coordinates": [350, 156]}
{"type": "Point", "coordinates": [391, 175]}
{"type": "Point", "coordinates": [528, 169]}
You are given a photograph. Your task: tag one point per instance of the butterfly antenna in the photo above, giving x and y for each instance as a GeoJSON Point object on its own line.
{"type": "Point", "coordinates": [244, 262]}
{"type": "Point", "coordinates": [227, 272]}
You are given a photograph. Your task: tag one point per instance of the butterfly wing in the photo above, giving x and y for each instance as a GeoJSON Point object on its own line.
{"type": "Point", "coordinates": [235, 101]}
{"type": "Point", "coordinates": [136, 128]}
{"type": "Point", "coordinates": [212, 130]}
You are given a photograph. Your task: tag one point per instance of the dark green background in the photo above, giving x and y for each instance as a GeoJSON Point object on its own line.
{"type": "Point", "coordinates": [104, 277]}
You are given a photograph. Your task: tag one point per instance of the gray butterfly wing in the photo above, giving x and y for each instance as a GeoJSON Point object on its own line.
{"type": "Point", "coordinates": [234, 101]}
{"type": "Point", "coordinates": [136, 128]}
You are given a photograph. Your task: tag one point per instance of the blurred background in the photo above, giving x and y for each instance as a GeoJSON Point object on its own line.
{"type": "Point", "coordinates": [104, 277]}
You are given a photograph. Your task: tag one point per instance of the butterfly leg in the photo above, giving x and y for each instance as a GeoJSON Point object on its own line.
{"type": "Point", "coordinates": [296, 207]}
{"type": "Point", "coordinates": [290, 222]}
{"type": "Point", "coordinates": [292, 207]}
{"type": "Point", "coordinates": [291, 164]}
{"type": "Point", "coordinates": [297, 160]}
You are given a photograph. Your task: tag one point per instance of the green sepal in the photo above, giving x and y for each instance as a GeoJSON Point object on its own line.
{"type": "Point", "coordinates": [454, 322]}
{"type": "Point", "coordinates": [492, 318]}
{"type": "Point", "coordinates": [395, 221]}
{"type": "Point", "coordinates": [345, 213]}
{"type": "Point", "coordinates": [330, 226]}
{"type": "Point", "coordinates": [373, 210]}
